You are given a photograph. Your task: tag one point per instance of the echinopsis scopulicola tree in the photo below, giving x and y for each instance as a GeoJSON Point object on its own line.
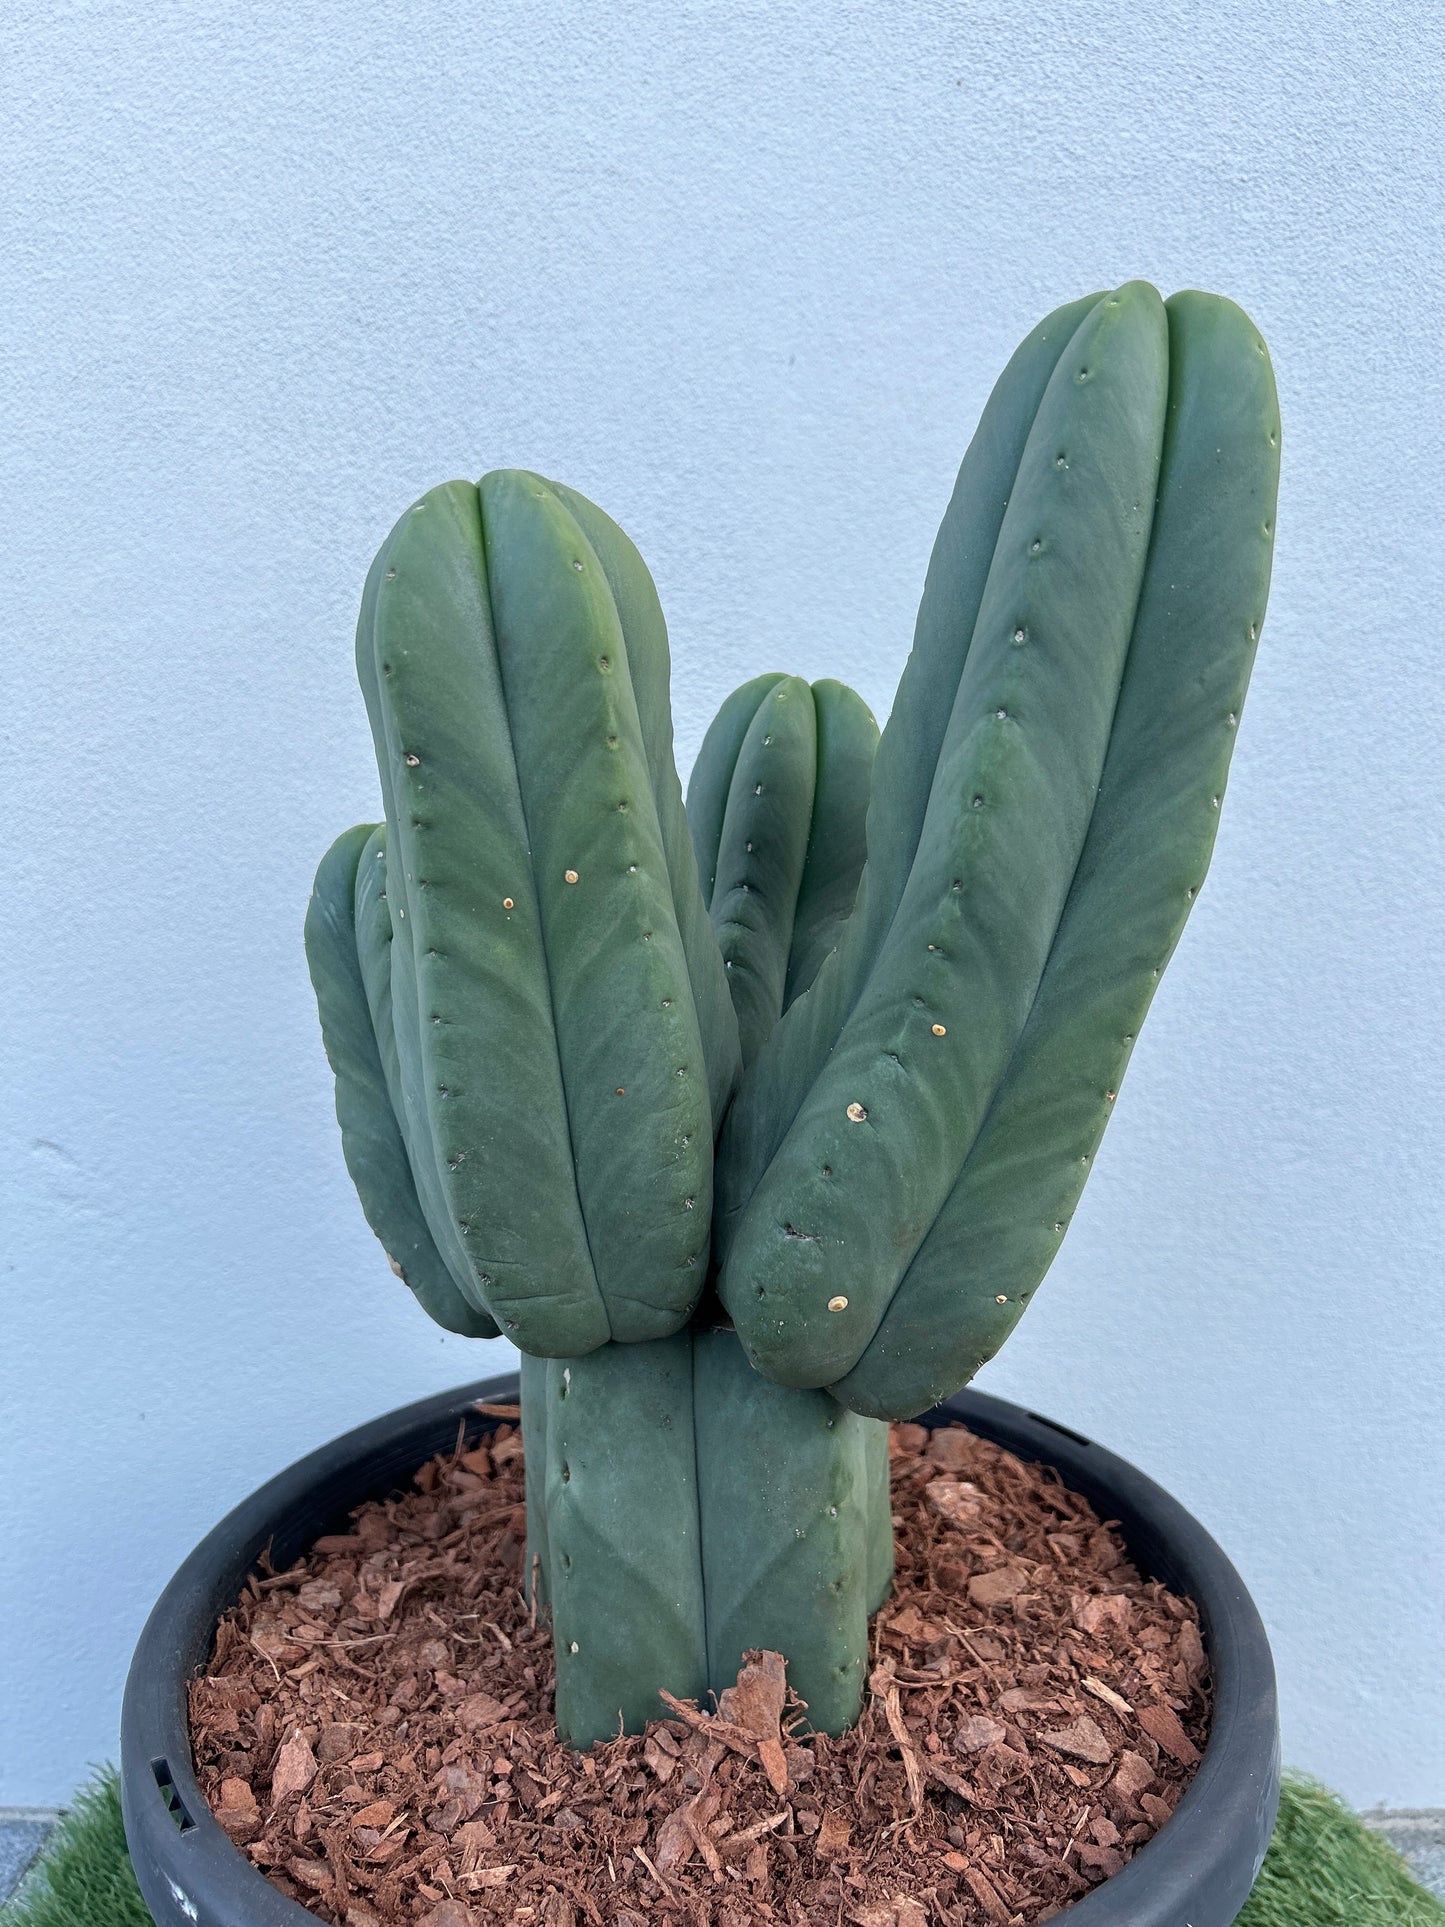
{"type": "Point", "coordinates": [755, 1123]}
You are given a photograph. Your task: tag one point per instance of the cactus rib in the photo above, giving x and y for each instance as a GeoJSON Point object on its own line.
{"type": "Point", "coordinates": [837, 833]}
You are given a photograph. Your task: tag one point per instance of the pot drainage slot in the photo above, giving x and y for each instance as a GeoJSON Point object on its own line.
{"type": "Point", "coordinates": [175, 1806]}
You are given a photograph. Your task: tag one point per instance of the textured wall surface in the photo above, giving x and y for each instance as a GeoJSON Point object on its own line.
{"type": "Point", "coordinates": [743, 274]}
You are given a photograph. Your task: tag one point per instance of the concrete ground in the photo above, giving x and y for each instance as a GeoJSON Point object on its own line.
{"type": "Point", "coordinates": [23, 1832]}
{"type": "Point", "coordinates": [1420, 1836]}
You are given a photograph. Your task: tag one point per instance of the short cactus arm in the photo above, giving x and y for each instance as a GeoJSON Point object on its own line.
{"type": "Point", "coordinates": [371, 1141]}
{"type": "Point", "coordinates": [778, 802]}
{"type": "Point", "coordinates": [878, 1138]}
{"type": "Point", "coordinates": [761, 855]}
{"type": "Point", "coordinates": [398, 1048]}
{"type": "Point", "coordinates": [1143, 861]}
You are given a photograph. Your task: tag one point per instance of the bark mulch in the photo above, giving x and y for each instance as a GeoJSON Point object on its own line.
{"type": "Point", "coordinates": [375, 1730]}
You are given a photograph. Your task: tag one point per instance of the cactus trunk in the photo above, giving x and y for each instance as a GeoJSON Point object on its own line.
{"type": "Point", "coordinates": [681, 1510]}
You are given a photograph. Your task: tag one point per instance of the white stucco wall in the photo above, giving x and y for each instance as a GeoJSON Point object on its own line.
{"type": "Point", "coordinates": [744, 274]}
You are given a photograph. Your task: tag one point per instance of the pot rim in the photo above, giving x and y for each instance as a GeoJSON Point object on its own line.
{"type": "Point", "coordinates": [1195, 1872]}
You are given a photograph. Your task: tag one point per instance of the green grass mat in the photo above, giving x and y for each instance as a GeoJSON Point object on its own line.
{"type": "Point", "coordinates": [1323, 1869]}
{"type": "Point", "coordinates": [83, 1878]}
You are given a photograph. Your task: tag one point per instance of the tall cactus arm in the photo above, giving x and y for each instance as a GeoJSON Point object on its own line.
{"type": "Point", "coordinates": [370, 1139]}
{"type": "Point", "coordinates": [712, 774]}
{"type": "Point", "coordinates": [649, 659]}
{"type": "Point", "coordinates": [837, 835]}
{"type": "Point", "coordinates": [471, 1000]}
{"type": "Point", "coordinates": [959, 571]}
{"type": "Point", "coordinates": [878, 1139]}
{"type": "Point", "coordinates": [1143, 861]}
{"type": "Point", "coordinates": [540, 986]}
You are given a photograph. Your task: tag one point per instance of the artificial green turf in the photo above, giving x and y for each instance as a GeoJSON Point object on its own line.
{"type": "Point", "coordinates": [1323, 1869]}
{"type": "Point", "coordinates": [83, 1878]}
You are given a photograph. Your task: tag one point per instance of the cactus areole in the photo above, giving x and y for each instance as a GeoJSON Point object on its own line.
{"type": "Point", "coordinates": [755, 1122]}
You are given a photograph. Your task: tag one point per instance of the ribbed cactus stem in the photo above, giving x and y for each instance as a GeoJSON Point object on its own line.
{"type": "Point", "coordinates": [681, 1510]}
{"type": "Point", "coordinates": [758, 1122]}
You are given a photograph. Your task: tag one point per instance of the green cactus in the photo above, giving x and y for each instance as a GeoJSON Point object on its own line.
{"type": "Point", "coordinates": [876, 995]}
{"type": "Point", "coordinates": [761, 1513]}
{"type": "Point", "coordinates": [777, 803]}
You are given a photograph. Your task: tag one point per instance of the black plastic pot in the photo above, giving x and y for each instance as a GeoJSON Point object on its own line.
{"type": "Point", "coordinates": [1195, 1872]}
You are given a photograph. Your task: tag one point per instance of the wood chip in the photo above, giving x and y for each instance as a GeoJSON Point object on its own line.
{"type": "Point", "coordinates": [833, 1835]}
{"type": "Point", "coordinates": [955, 1500]}
{"type": "Point", "coordinates": [1158, 1810]}
{"type": "Point", "coordinates": [490, 1876]}
{"type": "Point", "coordinates": [1081, 1740]}
{"type": "Point", "coordinates": [388, 1599]}
{"type": "Point", "coordinates": [449, 1913]}
{"type": "Point", "coordinates": [380, 1813]}
{"type": "Point", "coordinates": [987, 1896]}
{"type": "Point", "coordinates": [1132, 1776]}
{"type": "Point", "coordinates": [951, 1447]}
{"type": "Point", "coordinates": [1102, 1610]}
{"type": "Point", "coordinates": [1107, 1695]}
{"type": "Point", "coordinates": [997, 1588]}
{"type": "Point", "coordinates": [675, 1845]}
{"type": "Point", "coordinates": [976, 1731]}
{"type": "Point", "coordinates": [294, 1771]}
{"type": "Point", "coordinates": [1161, 1723]}
{"type": "Point", "coordinates": [479, 1711]}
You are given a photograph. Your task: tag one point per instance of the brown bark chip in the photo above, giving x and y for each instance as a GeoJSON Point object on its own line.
{"type": "Point", "coordinates": [955, 1500]}
{"type": "Point", "coordinates": [1161, 1724]}
{"type": "Point", "coordinates": [1081, 1740]}
{"type": "Point", "coordinates": [375, 1731]}
{"type": "Point", "coordinates": [975, 1731]}
{"type": "Point", "coordinates": [294, 1771]}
